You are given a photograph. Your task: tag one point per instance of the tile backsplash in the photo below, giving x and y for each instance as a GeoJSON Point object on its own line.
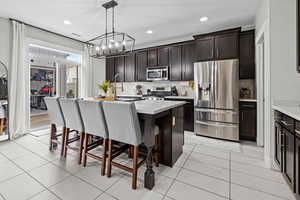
{"type": "Point", "coordinates": [129, 88]}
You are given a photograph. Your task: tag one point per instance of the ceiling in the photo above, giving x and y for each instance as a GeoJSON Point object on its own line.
{"type": "Point", "coordinates": [169, 19]}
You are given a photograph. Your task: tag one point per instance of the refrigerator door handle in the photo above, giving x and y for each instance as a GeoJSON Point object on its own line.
{"type": "Point", "coordinates": [217, 124]}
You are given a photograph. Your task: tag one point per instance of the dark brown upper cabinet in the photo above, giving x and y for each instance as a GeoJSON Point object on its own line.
{"type": "Point", "coordinates": [130, 68]}
{"type": "Point", "coordinates": [109, 69]}
{"type": "Point", "coordinates": [141, 65]}
{"type": "Point", "coordinates": [188, 59]}
{"type": "Point", "coordinates": [217, 46]}
{"type": "Point", "coordinates": [163, 56]}
{"type": "Point", "coordinates": [120, 68]}
{"type": "Point", "coordinates": [175, 63]}
{"type": "Point", "coordinates": [247, 55]}
{"type": "Point", "coordinates": [152, 58]}
{"type": "Point", "coordinates": [205, 48]}
{"type": "Point", "coordinates": [227, 46]}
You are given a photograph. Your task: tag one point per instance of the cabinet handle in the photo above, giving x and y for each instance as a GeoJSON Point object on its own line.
{"type": "Point", "coordinates": [298, 132]}
{"type": "Point", "coordinates": [285, 123]}
{"type": "Point", "coordinates": [217, 52]}
{"type": "Point", "coordinates": [242, 116]}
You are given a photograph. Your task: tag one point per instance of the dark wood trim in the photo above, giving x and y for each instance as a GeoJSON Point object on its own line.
{"type": "Point", "coordinates": [233, 30]}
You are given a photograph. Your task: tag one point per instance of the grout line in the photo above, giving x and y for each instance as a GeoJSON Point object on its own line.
{"type": "Point", "coordinates": [180, 169]}
{"type": "Point", "coordinates": [230, 176]}
{"type": "Point", "coordinates": [2, 196]}
{"type": "Point", "coordinates": [46, 188]}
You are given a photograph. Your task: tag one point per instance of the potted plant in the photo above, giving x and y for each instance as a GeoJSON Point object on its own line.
{"type": "Point", "coordinates": [104, 86]}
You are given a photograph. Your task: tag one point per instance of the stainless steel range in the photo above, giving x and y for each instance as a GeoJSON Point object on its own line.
{"type": "Point", "coordinates": [217, 99]}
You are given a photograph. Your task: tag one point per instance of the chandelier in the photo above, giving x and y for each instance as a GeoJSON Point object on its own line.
{"type": "Point", "coordinates": [110, 43]}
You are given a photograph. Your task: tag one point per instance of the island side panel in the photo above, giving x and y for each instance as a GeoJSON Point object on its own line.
{"type": "Point", "coordinates": [172, 136]}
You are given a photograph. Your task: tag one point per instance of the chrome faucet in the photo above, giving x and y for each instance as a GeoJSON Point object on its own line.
{"type": "Point", "coordinates": [115, 84]}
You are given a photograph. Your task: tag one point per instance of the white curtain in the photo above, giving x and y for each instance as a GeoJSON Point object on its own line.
{"type": "Point", "coordinates": [19, 84]}
{"type": "Point", "coordinates": [86, 74]}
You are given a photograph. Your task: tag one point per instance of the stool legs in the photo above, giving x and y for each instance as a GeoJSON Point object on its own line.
{"type": "Point", "coordinates": [86, 142]}
{"type": "Point", "coordinates": [52, 136]}
{"type": "Point", "coordinates": [66, 142]}
{"type": "Point", "coordinates": [81, 147]}
{"type": "Point", "coordinates": [105, 147]}
{"type": "Point", "coordinates": [109, 158]}
{"type": "Point", "coordinates": [135, 166]}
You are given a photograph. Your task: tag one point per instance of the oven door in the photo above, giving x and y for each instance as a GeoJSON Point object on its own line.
{"type": "Point", "coordinates": [153, 75]}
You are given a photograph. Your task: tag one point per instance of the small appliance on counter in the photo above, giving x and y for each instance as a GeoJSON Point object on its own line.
{"type": "Point", "coordinates": [174, 91]}
{"type": "Point", "coordinates": [139, 90]}
{"type": "Point", "coordinates": [245, 93]}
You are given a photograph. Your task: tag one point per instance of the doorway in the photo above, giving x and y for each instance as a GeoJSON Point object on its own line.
{"type": "Point", "coordinates": [52, 73]}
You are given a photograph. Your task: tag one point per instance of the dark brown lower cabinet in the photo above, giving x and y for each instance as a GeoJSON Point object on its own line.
{"type": "Point", "coordinates": [188, 124]}
{"type": "Point", "coordinates": [297, 163]}
{"type": "Point", "coordinates": [278, 145]}
{"type": "Point", "coordinates": [289, 158]}
{"type": "Point", "coordinates": [248, 121]}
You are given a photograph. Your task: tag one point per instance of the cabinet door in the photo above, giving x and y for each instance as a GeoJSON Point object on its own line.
{"type": "Point", "coordinates": [227, 46]}
{"type": "Point", "coordinates": [248, 121]}
{"type": "Point", "coordinates": [120, 68]}
{"type": "Point", "coordinates": [152, 58]}
{"type": "Point", "coordinates": [175, 63]}
{"type": "Point", "coordinates": [278, 145]}
{"type": "Point", "coordinates": [247, 55]}
{"type": "Point", "coordinates": [288, 163]}
{"type": "Point", "coordinates": [163, 56]}
{"type": "Point", "coordinates": [130, 68]}
{"type": "Point", "coordinates": [297, 173]}
{"type": "Point", "coordinates": [188, 59]}
{"type": "Point", "coordinates": [110, 69]}
{"type": "Point", "coordinates": [205, 49]}
{"type": "Point", "coordinates": [141, 65]}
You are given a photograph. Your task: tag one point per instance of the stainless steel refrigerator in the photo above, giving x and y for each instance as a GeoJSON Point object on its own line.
{"type": "Point", "coordinates": [217, 99]}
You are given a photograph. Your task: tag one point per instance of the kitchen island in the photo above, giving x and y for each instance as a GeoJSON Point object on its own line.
{"type": "Point", "coordinates": [168, 116]}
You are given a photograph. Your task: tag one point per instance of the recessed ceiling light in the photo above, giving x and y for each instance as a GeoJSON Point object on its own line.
{"type": "Point", "coordinates": [67, 22]}
{"type": "Point", "coordinates": [203, 19]}
{"type": "Point", "coordinates": [149, 32]}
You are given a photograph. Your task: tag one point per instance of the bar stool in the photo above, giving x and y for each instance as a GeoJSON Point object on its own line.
{"type": "Point", "coordinates": [57, 120]}
{"type": "Point", "coordinates": [94, 125]}
{"type": "Point", "coordinates": [71, 113]}
{"type": "Point", "coordinates": [123, 126]}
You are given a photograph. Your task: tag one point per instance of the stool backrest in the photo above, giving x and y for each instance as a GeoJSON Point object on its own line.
{"type": "Point", "coordinates": [93, 117]}
{"type": "Point", "coordinates": [54, 111]}
{"type": "Point", "coordinates": [71, 113]}
{"type": "Point", "coordinates": [122, 122]}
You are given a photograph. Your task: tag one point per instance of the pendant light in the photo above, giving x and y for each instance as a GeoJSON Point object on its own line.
{"type": "Point", "coordinates": [111, 43]}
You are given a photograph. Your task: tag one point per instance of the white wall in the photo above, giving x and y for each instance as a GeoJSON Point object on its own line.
{"type": "Point", "coordinates": [5, 41]}
{"type": "Point", "coordinates": [276, 21]}
{"type": "Point", "coordinates": [98, 74]}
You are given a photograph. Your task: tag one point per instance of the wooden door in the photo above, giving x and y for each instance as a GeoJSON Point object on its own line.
{"type": "Point", "coordinates": [188, 59]}
{"type": "Point", "coordinates": [288, 158]}
{"type": "Point", "coordinates": [152, 58]}
{"type": "Point", "coordinates": [130, 68]}
{"type": "Point", "coordinates": [227, 46]}
{"type": "Point", "coordinates": [248, 121]}
{"type": "Point", "coordinates": [110, 69]}
{"type": "Point", "coordinates": [205, 49]}
{"type": "Point", "coordinates": [278, 145]}
{"type": "Point", "coordinates": [247, 55]}
{"type": "Point", "coordinates": [120, 68]}
{"type": "Point", "coordinates": [163, 56]}
{"type": "Point", "coordinates": [175, 63]}
{"type": "Point", "coordinates": [141, 65]}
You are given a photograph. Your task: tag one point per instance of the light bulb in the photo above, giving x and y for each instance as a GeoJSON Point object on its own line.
{"type": "Point", "coordinates": [109, 46]}
{"type": "Point", "coordinates": [103, 47]}
{"type": "Point", "coordinates": [124, 42]}
{"type": "Point", "coordinates": [116, 44]}
{"type": "Point", "coordinates": [97, 48]}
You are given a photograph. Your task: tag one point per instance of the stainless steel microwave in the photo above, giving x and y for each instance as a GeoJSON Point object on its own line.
{"type": "Point", "coordinates": [158, 73]}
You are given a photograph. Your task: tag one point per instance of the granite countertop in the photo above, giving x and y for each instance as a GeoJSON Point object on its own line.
{"type": "Point", "coordinates": [152, 107]}
{"type": "Point", "coordinates": [179, 97]}
{"type": "Point", "coordinates": [249, 100]}
{"type": "Point", "coordinates": [290, 109]}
